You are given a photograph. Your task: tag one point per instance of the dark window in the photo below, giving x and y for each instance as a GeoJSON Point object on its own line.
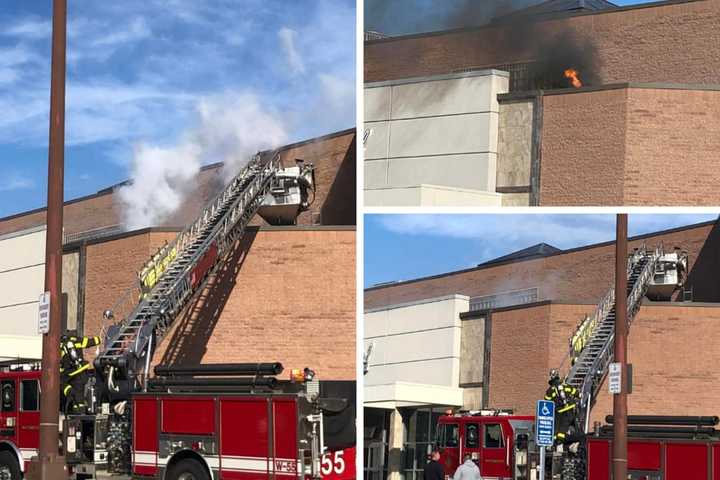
{"type": "Point", "coordinates": [449, 435]}
{"type": "Point", "coordinates": [472, 437]}
{"type": "Point", "coordinates": [8, 395]}
{"type": "Point", "coordinates": [493, 435]}
{"type": "Point", "coordinates": [29, 396]}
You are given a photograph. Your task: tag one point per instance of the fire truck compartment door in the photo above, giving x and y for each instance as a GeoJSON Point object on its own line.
{"type": "Point", "coordinates": [493, 457]}
{"type": "Point", "coordinates": [245, 437]}
{"type": "Point", "coordinates": [285, 446]}
{"type": "Point", "coordinates": [686, 461]}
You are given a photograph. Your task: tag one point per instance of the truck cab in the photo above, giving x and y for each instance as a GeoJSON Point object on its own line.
{"type": "Point", "coordinates": [497, 441]}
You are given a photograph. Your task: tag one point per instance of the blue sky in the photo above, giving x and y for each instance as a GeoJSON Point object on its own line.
{"type": "Point", "coordinates": [403, 247]}
{"type": "Point", "coordinates": [400, 17]}
{"type": "Point", "coordinates": [140, 70]}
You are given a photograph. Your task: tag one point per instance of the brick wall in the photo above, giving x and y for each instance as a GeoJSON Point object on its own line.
{"type": "Point", "coordinates": [518, 358]}
{"type": "Point", "coordinates": [334, 160]}
{"type": "Point", "coordinates": [663, 346]}
{"type": "Point", "coordinates": [284, 295]}
{"type": "Point", "coordinates": [672, 147]}
{"type": "Point", "coordinates": [630, 146]}
{"type": "Point", "coordinates": [675, 356]}
{"type": "Point", "coordinates": [579, 276]}
{"type": "Point", "coordinates": [583, 148]}
{"type": "Point", "coordinates": [664, 43]}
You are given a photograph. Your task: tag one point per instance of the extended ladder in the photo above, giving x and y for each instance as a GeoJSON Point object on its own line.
{"type": "Point", "coordinates": [591, 362]}
{"type": "Point", "coordinates": [185, 266]}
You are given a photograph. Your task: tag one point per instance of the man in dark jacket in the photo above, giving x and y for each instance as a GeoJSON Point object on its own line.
{"type": "Point", "coordinates": [434, 469]}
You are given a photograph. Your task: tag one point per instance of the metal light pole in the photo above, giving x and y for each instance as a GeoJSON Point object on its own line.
{"type": "Point", "coordinates": [619, 459]}
{"type": "Point", "coordinates": [49, 464]}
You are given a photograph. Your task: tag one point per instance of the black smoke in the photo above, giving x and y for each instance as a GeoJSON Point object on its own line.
{"type": "Point", "coordinates": [536, 52]}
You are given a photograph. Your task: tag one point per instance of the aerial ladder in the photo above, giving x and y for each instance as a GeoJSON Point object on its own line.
{"type": "Point", "coordinates": [651, 273]}
{"type": "Point", "coordinates": [181, 268]}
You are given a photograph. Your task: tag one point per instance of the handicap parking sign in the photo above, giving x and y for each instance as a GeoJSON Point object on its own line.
{"type": "Point", "coordinates": [544, 423]}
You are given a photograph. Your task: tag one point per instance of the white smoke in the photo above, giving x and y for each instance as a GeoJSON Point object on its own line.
{"type": "Point", "coordinates": [231, 129]}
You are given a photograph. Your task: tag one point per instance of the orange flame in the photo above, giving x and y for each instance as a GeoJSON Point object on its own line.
{"type": "Point", "coordinates": [572, 75]}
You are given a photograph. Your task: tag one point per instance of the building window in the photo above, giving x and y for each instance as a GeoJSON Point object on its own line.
{"type": "Point", "coordinates": [472, 438]}
{"type": "Point", "coordinates": [493, 436]}
{"type": "Point", "coordinates": [29, 396]}
{"type": "Point", "coordinates": [420, 434]}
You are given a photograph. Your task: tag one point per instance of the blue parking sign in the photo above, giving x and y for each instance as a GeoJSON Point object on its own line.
{"type": "Point", "coordinates": [544, 423]}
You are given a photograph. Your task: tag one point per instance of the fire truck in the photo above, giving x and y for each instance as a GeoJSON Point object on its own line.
{"type": "Point", "coordinates": [503, 446]}
{"type": "Point", "coordinates": [197, 422]}
{"type": "Point", "coordinates": [660, 448]}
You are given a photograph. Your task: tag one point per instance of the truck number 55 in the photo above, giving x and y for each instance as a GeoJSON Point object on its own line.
{"type": "Point", "coordinates": [335, 465]}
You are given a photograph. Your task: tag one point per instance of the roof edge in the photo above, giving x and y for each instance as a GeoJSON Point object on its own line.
{"type": "Point", "coordinates": [561, 252]}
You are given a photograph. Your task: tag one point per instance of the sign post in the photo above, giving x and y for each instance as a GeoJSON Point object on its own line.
{"type": "Point", "coordinates": [544, 429]}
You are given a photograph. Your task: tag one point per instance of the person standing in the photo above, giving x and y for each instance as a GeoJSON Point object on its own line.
{"type": "Point", "coordinates": [433, 469]}
{"type": "Point", "coordinates": [468, 470]}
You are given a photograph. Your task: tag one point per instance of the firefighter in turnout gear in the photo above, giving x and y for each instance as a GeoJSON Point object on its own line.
{"type": "Point", "coordinates": [566, 400]}
{"type": "Point", "coordinates": [74, 371]}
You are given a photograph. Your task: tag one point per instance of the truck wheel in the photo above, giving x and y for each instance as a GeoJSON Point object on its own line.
{"type": "Point", "coordinates": [9, 468]}
{"type": "Point", "coordinates": [187, 469]}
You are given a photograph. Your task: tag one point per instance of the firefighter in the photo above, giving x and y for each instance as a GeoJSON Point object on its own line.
{"type": "Point", "coordinates": [74, 371]}
{"type": "Point", "coordinates": [566, 400]}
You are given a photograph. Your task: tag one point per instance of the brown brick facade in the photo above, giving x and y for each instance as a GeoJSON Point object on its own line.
{"type": "Point", "coordinates": [662, 43]}
{"type": "Point", "coordinates": [284, 295]}
{"type": "Point", "coordinates": [578, 276]}
{"type": "Point", "coordinates": [671, 347]}
{"type": "Point", "coordinates": [630, 146]}
{"type": "Point", "coordinates": [334, 159]}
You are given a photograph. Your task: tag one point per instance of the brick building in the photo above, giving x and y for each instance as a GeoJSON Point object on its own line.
{"type": "Point", "coordinates": [284, 293]}
{"type": "Point", "coordinates": [650, 104]}
{"type": "Point", "coordinates": [490, 334]}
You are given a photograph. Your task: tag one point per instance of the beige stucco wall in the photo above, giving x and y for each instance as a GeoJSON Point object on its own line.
{"type": "Point", "coordinates": [440, 131]}
{"type": "Point", "coordinates": [415, 351]}
{"type": "Point", "coordinates": [22, 280]}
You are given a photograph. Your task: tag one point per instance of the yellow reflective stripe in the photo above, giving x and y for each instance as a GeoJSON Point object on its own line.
{"type": "Point", "coordinates": [566, 408]}
{"type": "Point", "coordinates": [66, 390]}
{"type": "Point", "coordinates": [81, 369]}
{"type": "Point", "coordinates": [560, 435]}
{"type": "Point", "coordinates": [97, 340]}
{"type": "Point", "coordinates": [547, 397]}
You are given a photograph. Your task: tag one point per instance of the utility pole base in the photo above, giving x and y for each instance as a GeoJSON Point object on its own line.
{"type": "Point", "coordinates": [54, 468]}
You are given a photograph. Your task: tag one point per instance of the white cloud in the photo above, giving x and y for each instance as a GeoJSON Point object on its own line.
{"type": "Point", "coordinates": [287, 40]}
{"type": "Point", "coordinates": [31, 29]}
{"type": "Point", "coordinates": [501, 234]}
{"type": "Point", "coordinates": [138, 29]}
{"type": "Point", "coordinates": [15, 182]}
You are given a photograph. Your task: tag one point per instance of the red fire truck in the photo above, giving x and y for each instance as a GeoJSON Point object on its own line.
{"type": "Point", "coordinates": [659, 448]}
{"type": "Point", "coordinates": [198, 422]}
{"type": "Point", "coordinates": [186, 427]}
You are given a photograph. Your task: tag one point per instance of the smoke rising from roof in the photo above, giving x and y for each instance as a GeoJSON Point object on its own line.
{"type": "Point", "coordinates": [545, 49]}
{"type": "Point", "coordinates": [231, 129]}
